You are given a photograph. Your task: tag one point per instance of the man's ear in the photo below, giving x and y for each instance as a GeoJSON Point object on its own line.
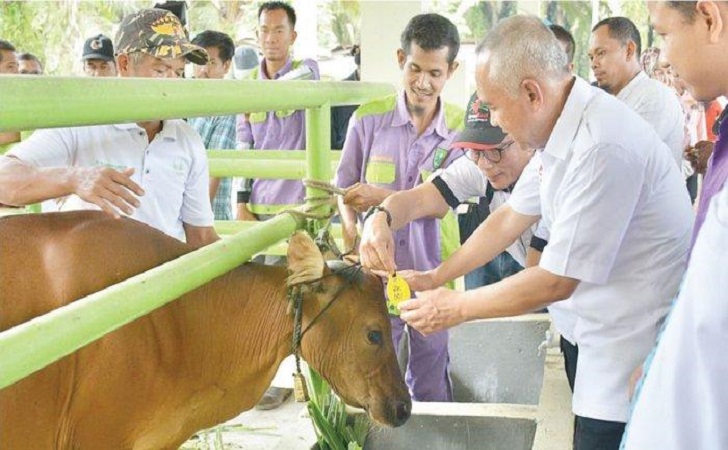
{"type": "Point", "coordinates": [631, 50]}
{"type": "Point", "coordinates": [534, 92]}
{"type": "Point", "coordinates": [401, 58]}
{"type": "Point", "coordinates": [453, 67]}
{"type": "Point", "coordinates": [122, 63]}
{"type": "Point", "coordinates": [710, 14]}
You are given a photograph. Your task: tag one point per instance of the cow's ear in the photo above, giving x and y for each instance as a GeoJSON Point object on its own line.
{"type": "Point", "coordinates": [305, 261]}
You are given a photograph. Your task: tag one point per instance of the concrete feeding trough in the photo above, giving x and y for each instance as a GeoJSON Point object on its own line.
{"type": "Point", "coordinates": [458, 426]}
{"type": "Point", "coordinates": [497, 373]}
{"type": "Point", "coordinates": [498, 361]}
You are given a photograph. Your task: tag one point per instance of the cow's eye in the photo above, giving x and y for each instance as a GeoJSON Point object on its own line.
{"type": "Point", "coordinates": [375, 337]}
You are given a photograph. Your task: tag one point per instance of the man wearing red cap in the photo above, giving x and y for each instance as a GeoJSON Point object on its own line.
{"type": "Point", "coordinates": [492, 165]}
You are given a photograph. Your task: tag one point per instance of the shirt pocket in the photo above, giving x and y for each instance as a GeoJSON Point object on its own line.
{"type": "Point", "coordinates": [257, 117]}
{"type": "Point", "coordinates": [379, 172]}
{"type": "Point", "coordinates": [284, 113]}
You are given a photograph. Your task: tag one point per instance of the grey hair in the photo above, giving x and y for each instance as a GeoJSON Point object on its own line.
{"type": "Point", "coordinates": [522, 47]}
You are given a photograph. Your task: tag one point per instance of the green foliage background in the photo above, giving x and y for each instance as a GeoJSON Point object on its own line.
{"type": "Point", "coordinates": [55, 30]}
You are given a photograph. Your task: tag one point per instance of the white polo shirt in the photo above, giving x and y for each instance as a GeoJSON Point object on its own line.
{"type": "Point", "coordinates": [621, 222]}
{"type": "Point", "coordinates": [529, 192]}
{"type": "Point", "coordinates": [466, 181]}
{"type": "Point", "coordinates": [660, 107]}
{"type": "Point", "coordinates": [683, 400]}
{"type": "Point", "coordinates": [172, 169]}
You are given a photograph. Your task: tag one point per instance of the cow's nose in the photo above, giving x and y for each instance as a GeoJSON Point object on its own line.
{"type": "Point", "coordinates": [402, 412]}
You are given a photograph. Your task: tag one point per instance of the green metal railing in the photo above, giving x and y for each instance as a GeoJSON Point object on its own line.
{"type": "Point", "coordinates": [85, 101]}
{"type": "Point", "coordinates": [44, 102]}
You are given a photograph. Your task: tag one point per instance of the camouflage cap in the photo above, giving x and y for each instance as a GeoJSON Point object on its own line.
{"type": "Point", "coordinates": [159, 33]}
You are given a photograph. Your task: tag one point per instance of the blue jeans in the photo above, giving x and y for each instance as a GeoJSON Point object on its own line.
{"type": "Point", "coordinates": [501, 267]}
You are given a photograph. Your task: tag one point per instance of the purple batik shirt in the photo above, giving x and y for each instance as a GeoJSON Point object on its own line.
{"type": "Point", "coordinates": [276, 130]}
{"type": "Point", "coordinates": [382, 148]}
{"type": "Point", "coordinates": [715, 175]}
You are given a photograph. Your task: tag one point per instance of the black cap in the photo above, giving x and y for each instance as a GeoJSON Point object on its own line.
{"type": "Point", "coordinates": [479, 133]}
{"type": "Point", "coordinates": [98, 47]}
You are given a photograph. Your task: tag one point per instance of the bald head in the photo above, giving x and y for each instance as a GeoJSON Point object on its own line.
{"type": "Point", "coordinates": [522, 47]}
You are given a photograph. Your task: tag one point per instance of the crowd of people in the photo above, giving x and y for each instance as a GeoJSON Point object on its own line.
{"type": "Point", "coordinates": [571, 197]}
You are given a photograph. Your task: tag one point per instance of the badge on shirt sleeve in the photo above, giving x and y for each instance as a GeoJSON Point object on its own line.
{"type": "Point", "coordinates": [440, 155]}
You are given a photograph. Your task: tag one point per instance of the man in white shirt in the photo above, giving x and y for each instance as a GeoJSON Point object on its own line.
{"type": "Point", "coordinates": [683, 400]}
{"type": "Point", "coordinates": [155, 171]}
{"type": "Point", "coordinates": [614, 52]}
{"type": "Point", "coordinates": [619, 214]}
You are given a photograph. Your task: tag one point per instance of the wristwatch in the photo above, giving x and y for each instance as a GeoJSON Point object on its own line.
{"type": "Point", "coordinates": [377, 208]}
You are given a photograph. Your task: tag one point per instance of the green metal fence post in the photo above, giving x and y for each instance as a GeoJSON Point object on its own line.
{"type": "Point", "coordinates": [318, 153]}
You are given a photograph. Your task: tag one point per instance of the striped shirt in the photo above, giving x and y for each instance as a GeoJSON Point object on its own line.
{"type": "Point", "coordinates": [218, 133]}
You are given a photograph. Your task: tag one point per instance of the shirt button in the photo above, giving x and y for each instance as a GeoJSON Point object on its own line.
{"type": "Point", "coordinates": [401, 243]}
{"type": "Point", "coordinates": [146, 171]}
{"type": "Point", "coordinates": [141, 133]}
{"type": "Point", "coordinates": [409, 179]}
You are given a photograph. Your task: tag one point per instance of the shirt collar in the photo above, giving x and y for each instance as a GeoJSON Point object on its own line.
{"type": "Point", "coordinates": [568, 123]}
{"type": "Point", "coordinates": [284, 70]}
{"type": "Point", "coordinates": [632, 85]}
{"type": "Point", "coordinates": [169, 129]}
{"type": "Point", "coordinates": [402, 117]}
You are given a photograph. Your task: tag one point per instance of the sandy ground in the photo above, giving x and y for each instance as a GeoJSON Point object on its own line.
{"type": "Point", "coordinates": [285, 428]}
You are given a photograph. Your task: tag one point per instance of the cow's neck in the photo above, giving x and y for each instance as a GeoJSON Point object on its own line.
{"type": "Point", "coordinates": [239, 332]}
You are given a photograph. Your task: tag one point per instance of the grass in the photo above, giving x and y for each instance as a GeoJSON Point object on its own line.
{"type": "Point", "coordinates": [334, 429]}
{"type": "Point", "coordinates": [213, 438]}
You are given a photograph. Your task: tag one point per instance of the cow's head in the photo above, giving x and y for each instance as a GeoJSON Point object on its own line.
{"type": "Point", "coordinates": [350, 342]}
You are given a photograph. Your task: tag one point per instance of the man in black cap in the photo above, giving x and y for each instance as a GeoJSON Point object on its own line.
{"type": "Point", "coordinates": [153, 171]}
{"type": "Point", "coordinates": [98, 57]}
{"type": "Point", "coordinates": [492, 164]}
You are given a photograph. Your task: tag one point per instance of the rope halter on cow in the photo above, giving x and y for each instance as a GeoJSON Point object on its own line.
{"type": "Point", "coordinates": [295, 304]}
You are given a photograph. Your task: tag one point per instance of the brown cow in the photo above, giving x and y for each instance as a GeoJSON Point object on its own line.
{"type": "Point", "coordinates": [191, 364]}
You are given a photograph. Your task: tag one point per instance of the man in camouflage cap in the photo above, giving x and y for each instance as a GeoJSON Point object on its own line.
{"type": "Point", "coordinates": [154, 171]}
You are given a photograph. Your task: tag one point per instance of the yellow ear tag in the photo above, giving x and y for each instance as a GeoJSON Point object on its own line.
{"type": "Point", "coordinates": [397, 291]}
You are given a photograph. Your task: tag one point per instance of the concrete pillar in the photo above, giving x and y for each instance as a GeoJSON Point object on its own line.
{"type": "Point", "coordinates": [306, 45]}
{"type": "Point", "coordinates": [382, 24]}
{"type": "Point", "coordinates": [458, 89]}
{"type": "Point", "coordinates": [530, 7]}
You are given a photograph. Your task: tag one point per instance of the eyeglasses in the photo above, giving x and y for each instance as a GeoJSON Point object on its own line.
{"type": "Point", "coordinates": [493, 155]}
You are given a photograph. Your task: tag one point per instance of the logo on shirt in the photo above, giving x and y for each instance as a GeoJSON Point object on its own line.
{"type": "Point", "coordinates": [180, 166]}
{"type": "Point", "coordinates": [440, 155]}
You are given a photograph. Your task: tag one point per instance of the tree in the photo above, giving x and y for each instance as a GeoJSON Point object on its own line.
{"type": "Point", "coordinates": [482, 16]}
{"type": "Point", "coordinates": [56, 31]}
